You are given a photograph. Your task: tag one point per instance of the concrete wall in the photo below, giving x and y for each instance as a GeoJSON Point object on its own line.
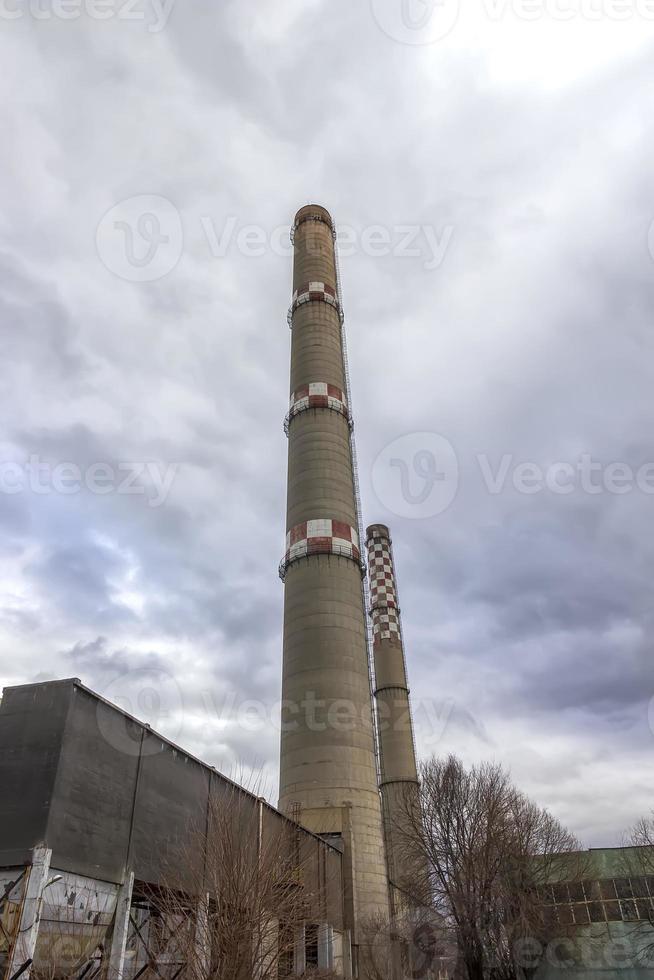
{"type": "Point", "coordinates": [93, 798]}
{"type": "Point", "coordinates": [32, 723]}
{"type": "Point", "coordinates": [107, 794]}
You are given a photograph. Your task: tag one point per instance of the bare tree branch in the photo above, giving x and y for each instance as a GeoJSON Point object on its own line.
{"type": "Point", "coordinates": [483, 851]}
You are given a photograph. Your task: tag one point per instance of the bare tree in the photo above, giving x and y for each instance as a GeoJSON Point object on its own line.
{"type": "Point", "coordinates": [413, 944]}
{"type": "Point", "coordinates": [240, 916]}
{"type": "Point", "coordinates": [642, 835]}
{"type": "Point", "coordinates": [638, 867]}
{"type": "Point", "coordinates": [484, 852]}
{"type": "Point", "coordinates": [240, 894]}
{"type": "Point", "coordinates": [375, 947]}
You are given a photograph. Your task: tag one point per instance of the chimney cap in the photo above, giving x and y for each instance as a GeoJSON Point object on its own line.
{"type": "Point", "coordinates": [308, 209]}
{"type": "Point", "coordinates": [378, 531]}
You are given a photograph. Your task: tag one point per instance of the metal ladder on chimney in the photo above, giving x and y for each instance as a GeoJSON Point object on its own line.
{"type": "Point", "coordinates": [359, 514]}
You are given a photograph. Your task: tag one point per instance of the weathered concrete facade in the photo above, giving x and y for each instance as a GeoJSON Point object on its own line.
{"type": "Point", "coordinates": [397, 757]}
{"type": "Point", "coordinates": [607, 919]}
{"type": "Point", "coordinates": [328, 777]}
{"type": "Point", "coordinates": [98, 813]}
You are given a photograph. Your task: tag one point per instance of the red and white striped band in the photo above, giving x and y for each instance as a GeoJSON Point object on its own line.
{"type": "Point", "coordinates": [317, 394]}
{"type": "Point", "coordinates": [384, 610]}
{"type": "Point", "coordinates": [321, 537]}
{"type": "Point", "coordinates": [315, 291]}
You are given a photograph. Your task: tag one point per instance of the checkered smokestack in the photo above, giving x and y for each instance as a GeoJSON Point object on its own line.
{"type": "Point", "coordinates": [396, 743]}
{"type": "Point", "coordinates": [328, 771]}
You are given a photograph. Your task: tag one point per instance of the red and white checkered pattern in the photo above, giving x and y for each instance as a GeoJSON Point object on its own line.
{"type": "Point", "coordinates": [321, 536]}
{"type": "Point", "coordinates": [384, 610]}
{"type": "Point", "coordinates": [318, 394]}
{"type": "Point", "coordinates": [311, 291]}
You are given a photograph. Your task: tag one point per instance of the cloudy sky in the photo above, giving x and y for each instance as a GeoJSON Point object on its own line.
{"type": "Point", "coordinates": [490, 169]}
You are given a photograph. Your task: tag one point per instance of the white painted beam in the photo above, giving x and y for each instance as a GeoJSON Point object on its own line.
{"type": "Point", "coordinates": [30, 916]}
{"type": "Point", "coordinates": [325, 947]}
{"type": "Point", "coordinates": [300, 950]}
{"type": "Point", "coordinates": [116, 965]}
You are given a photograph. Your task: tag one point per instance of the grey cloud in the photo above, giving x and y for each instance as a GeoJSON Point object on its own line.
{"type": "Point", "coordinates": [78, 580]}
{"type": "Point", "coordinates": [96, 657]}
{"type": "Point", "coordinates": [532, 338]}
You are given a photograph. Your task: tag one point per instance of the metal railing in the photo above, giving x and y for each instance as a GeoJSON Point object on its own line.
{"type": "Point", "coordinates": [337, 550]}
{"type": "Point", "coordinates": [316, 408]}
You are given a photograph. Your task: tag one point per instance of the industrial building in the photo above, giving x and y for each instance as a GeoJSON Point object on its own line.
{"type": "Point", "coordinates": [606, 919]}
{"type": "Point", "coordinates": [110, 813]}
{"type": "Point", "coordinates": [113, 815]}
{"type": "Point", "coordinates": [120, 851]}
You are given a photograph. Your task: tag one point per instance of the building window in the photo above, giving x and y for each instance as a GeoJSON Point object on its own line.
{"type": "Point", "coordinates": [601, 900]}
{"type": "Point", "coordinates": [596, 911]}
{"type": "Point", "coordinates": [613, 913]}
{"type": "Point", "coordinates": [286, 951]}
{"type": "Point", "coordinates": [629, 911]}
{"type": "Point", "coordinates": [623, 888]}
{"type": "Point", "coordinates": [645, 908]}
{"type": "Point", "coordinates": [576, 890]}
{"type": "Point", "coordinates": [311, 946]}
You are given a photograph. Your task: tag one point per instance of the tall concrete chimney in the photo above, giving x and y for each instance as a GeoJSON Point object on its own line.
{"type": "Point", "coordinates": [398, 772]}
{"type": "Point", "coordinates": [328, 771]}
